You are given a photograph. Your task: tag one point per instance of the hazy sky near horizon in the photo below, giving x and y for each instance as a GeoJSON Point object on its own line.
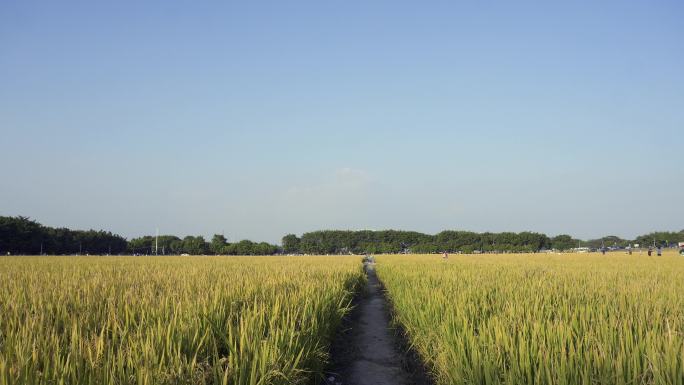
{"type": "Point", "coordinates": [258, 119]}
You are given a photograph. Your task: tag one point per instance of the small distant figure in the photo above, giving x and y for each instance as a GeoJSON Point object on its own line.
{"type": "Point", "coordinates": [660, 251]}
{"type": "Point", "coordinates": [650, 251]}
{"type": "Point", "coordinates": [603, 250]}
{"type": "Point", "coordinates": [445, 255]}
{"type": "Point", "coordinates": [681, 251]}
{"type": "Point", "coordinates": [629, 250]}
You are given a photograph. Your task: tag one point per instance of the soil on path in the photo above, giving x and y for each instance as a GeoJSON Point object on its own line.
{"type": "Point", "coordinates": [369, 351]}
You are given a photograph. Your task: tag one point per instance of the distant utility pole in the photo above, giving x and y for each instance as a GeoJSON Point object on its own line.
{"type": "Point", "coordinates": [156, 243]}
{"type": "Point", "coordinates": [41, 247]}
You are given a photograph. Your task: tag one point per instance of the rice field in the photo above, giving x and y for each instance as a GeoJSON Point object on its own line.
{"type": "Point", "coordinates": [171, 320]}
{"type": "Point", "coordinates": [542, 319]}
{"type": "Point", "coordinates": [473, 319]}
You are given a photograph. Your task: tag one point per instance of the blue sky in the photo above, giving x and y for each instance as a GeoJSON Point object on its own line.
{"type": "Point", "coordinates": [258, 119]}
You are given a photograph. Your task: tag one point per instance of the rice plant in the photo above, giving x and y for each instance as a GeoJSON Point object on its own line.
{"type": "Point", "coordinates": [542, 319]}
{"type": "Point", "coordinates": [179, 320]}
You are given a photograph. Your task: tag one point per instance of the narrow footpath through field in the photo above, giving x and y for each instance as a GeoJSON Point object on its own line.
{"type": "Point", "coordinates": [369, 352]}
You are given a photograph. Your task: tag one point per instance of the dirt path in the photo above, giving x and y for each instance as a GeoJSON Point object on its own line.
{"type": "Point", "coordinates": [368, 351]}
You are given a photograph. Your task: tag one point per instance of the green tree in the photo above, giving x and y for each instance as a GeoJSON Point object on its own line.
{"type": "Point", "coordinates": [290, 244]}
{"type": "Point", "coordinates": [218, 243]}
{"type": "Point", "coordinates": [563, 242]}
{"type": "Point", "coordinates": [195, 245]}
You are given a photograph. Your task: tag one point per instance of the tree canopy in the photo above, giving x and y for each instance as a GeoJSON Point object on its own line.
{"type": "Point", "coordinates": [394, 241]}
{"type": "Point", "coordinates": [21, 235]}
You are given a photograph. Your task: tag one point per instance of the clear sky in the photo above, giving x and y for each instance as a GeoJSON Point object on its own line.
{"type": "Point", "coordinates": [258, 119]}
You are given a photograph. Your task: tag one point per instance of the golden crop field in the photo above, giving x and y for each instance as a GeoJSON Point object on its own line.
{"type": "Point", "coordinates": [542, 319]}
{"type": "Point", "coordinates": [170, 320]}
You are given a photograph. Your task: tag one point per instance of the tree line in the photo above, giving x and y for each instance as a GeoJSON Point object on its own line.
{"type": "Point", "coordinates": [196, 245]}
{"type": "Point", "coordinates": [21, 235]}
{"type": "Point", "coordinates": [393, 241]}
